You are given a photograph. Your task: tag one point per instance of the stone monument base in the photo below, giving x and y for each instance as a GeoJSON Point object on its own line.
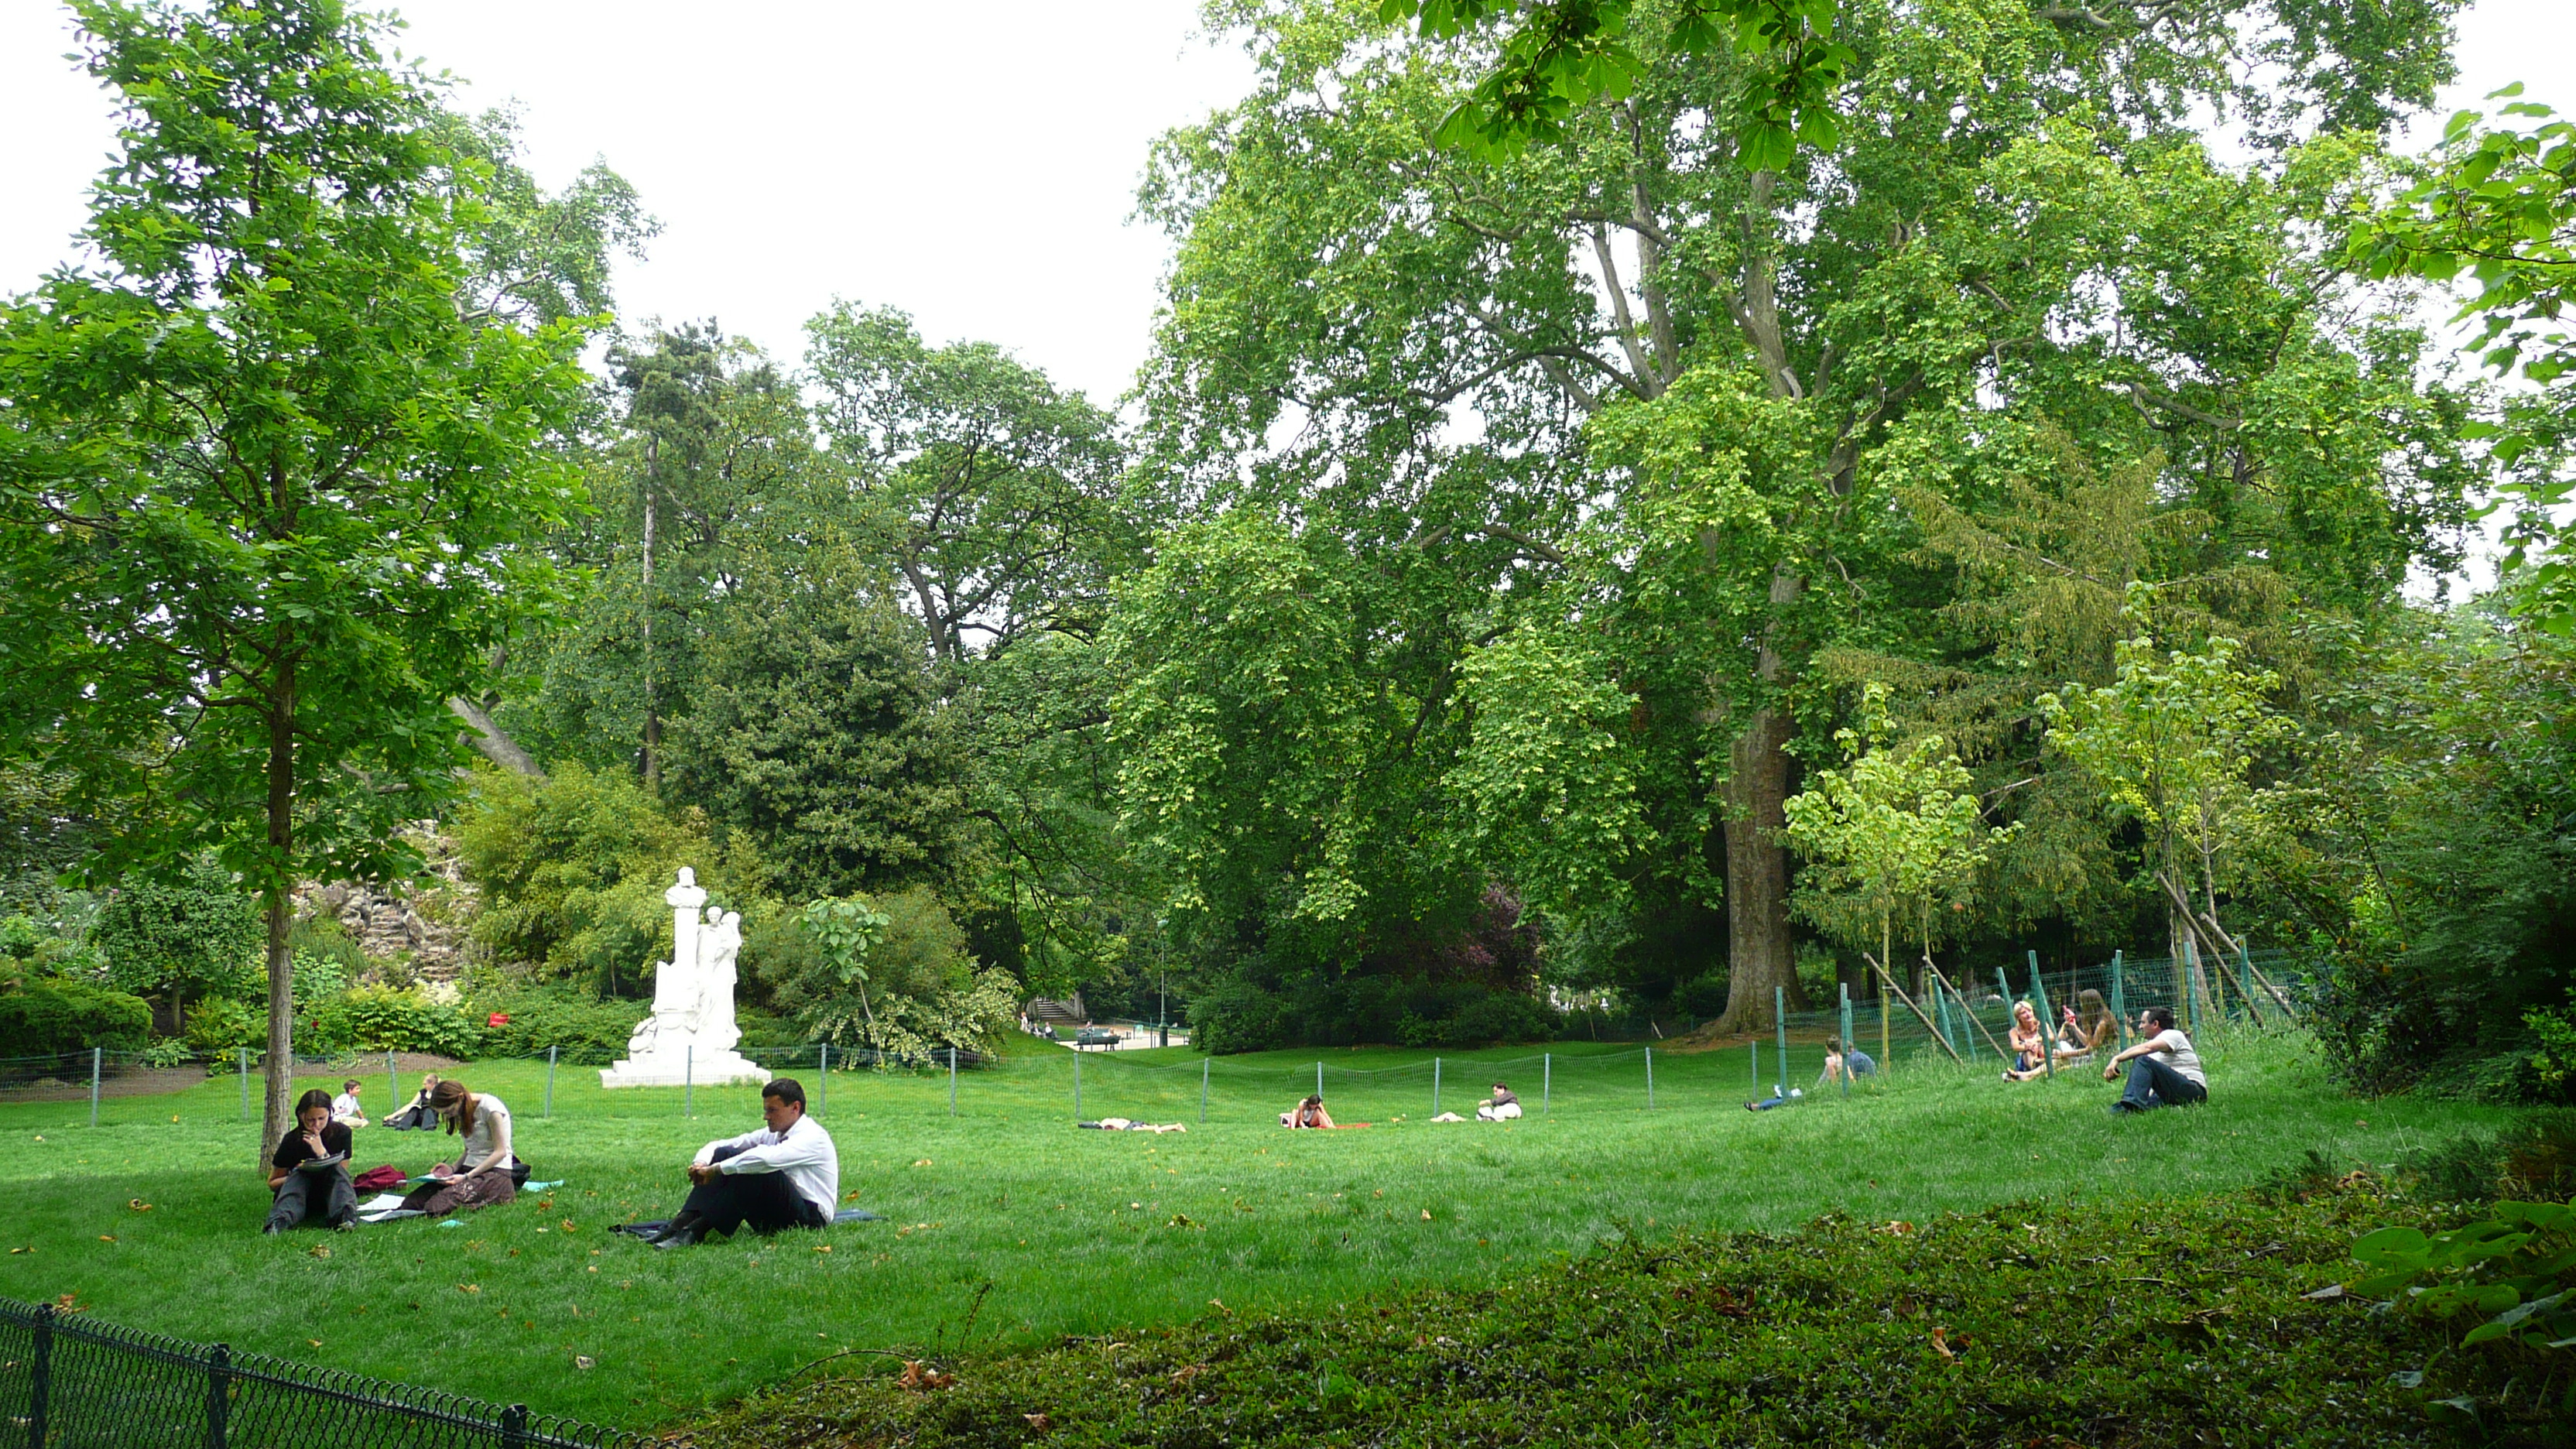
{"type": "Point", "coordinates": [708, 1070]}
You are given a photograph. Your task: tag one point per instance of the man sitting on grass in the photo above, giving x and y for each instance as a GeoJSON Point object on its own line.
{"type": "Point", "coordinates": [786, 1175]}
{"type": "Point", "coordinates": [2163, 1069]}
{"type": "Point", "coordinates": [1500, 1107]}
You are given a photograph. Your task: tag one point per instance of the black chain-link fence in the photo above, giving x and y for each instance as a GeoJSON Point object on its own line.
{"type": "Point", "coordinates": [68, 1382]}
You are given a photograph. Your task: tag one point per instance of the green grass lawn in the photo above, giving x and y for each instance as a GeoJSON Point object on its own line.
{"type": "Point", "coordinates": [1069, 1232]}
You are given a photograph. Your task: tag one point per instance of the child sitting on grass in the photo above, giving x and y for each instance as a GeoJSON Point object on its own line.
{"type": "Point", "coordinates": [345, 1108]}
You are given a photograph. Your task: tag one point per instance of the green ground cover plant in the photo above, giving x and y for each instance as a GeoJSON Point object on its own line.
{"type": "Point", "coordinates": [1009, 1229]}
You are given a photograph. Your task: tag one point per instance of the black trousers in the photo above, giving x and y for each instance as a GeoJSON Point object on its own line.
{"type": "Point", "coordinates": [310, 1197]}
{"type": "Point", "coordinates": [762, 1201]}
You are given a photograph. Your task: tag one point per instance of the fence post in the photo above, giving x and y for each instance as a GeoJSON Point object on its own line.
{"type": "Point", "coordinates": [1886, 1056]}
{"type": "Point", "coordinates": [1319, 1084]}
{"type": "Point", "coordinates": [1650, 1079]}
{"type": "Point", "coordinates": [2119, 1004]}
{"type": "Point", "coordinates": [1077, 1083]}
{"type": "Point", "coordinates": [822, 1076]}
{"type": "Point", "coordinates": [550, 1081]}
{"type": "Point", "coordinates": [1547, 1081]}
{"type": "Point", "coordinates": [242, 1060]}
{"type": "Point", "coordinates": [1780, 1022]}
{"type": "Point", "coordinates": [2047, 1032]}
{"type": "Point", "coordinates": [393, 1087]}
{"type": "Point", "coordinates": [1757, 1069]}
{"type": "Point", "coordinates": [1203, 1079]}
{"type": "Point", "coordinates": [96, 1054]}
{"type": "Point", "coordinates": [40, 1375]}
{"type": "Point", "coordinates": [1845, 1023]}
{"type": "Point", "coordinates": [514, 1426]}
{"type": "Point", "coordinates": [1435, 1086]}
{"type": "Point", "coordinates": [219, 1395]}
{"type": "Point", "coordinates": [689, 1081]}
{"type": "Point", "coordinates": [952, 1081]}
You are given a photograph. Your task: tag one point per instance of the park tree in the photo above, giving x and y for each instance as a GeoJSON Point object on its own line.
{"type": "Point", "coordinates": [1469, 363]}
{"type": "Point", "coordinates": [1897, 832]}
{"type": "Point", "coordinates": [2171, 743]}
{"type": "Point", "coordinates": [268, 490]}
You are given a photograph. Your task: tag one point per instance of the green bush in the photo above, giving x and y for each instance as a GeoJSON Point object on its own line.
{"type": "Point", "coordinates": [184, 935]}
{"type": "Point", "coordinates": [1239, 1016]}
{"type": "Point", "coordinates": [220, 1024]}
{"type": "Point", "coordinates": [381, 1019]}
{"type": "Point", "coordinates": [578, 1024]}
{"type": "Point", "coordinates": [49, 1018]}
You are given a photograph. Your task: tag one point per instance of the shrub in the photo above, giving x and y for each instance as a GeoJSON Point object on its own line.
{"type": "Point", "coordinates": [186, 935]}
{"type": "Point", "coordinates": [1239, 1016]}
{"type": "Point", "coordinates": [920, 991]}
{"type": "Point", "coordinates": [220, 1024]}
{"type": "Point", "coordinates": [1236, 1017]}
{"type": "Point", "coordinates": [49, 1018]}
{"type": "Point", "coordinates": [580, 1026]}
{"type": "Point", "coordinates": [381, 1019]}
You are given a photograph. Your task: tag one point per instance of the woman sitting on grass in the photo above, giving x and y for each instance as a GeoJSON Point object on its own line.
{"type": "Point", "coordinates": [2026, 1044]}
{"type": "Point", "coordinates": [310, 1170]}
{"type": "Point", "coordinates": [2087, 1026]}
{"type": "Point", "coordinates": [1308, 1113]}
{"type": "Point", "coordinates": [480, 1176]}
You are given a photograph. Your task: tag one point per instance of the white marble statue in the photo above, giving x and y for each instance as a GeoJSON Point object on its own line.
{"type": "Point", "coordinates": [690, 1036]}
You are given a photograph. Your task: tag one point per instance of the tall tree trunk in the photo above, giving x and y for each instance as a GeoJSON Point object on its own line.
{"type": "Point", "coordinates": [1759, 954]}
{"type": "Point", "coordinates": [279, 1073]}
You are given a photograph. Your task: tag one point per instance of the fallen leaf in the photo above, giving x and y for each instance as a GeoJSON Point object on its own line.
{"type": "Point", "coordinates": [822, 1247]}
{"type": "Point", "coordinates": [1426, 1215]}
{"type": "Point", "coordinates": [138, 1204]}
{"type": "Point", "coordinates": [1039, 1422]}
{"type": "Point", "coordinates": [320, 1250]}
{"type": "Point", "coordinates": [107, 1237]}
{"type": "Point", "coordinates": [1212, 1303]}
{"type": "Point", "coordinates": [2331, 1290]}
{"type": "Point", "coordinates": [925, 1162]}
{"type": "Point", "coordinates": [471, 1287]}
{"type": "Point", "coordinates": [1895, 1229]}
{"type": "Point", "coordinates": [317, 1343]}
{"type": "Point", "coordinates": [569, 1227]}
{"type": "Point", "coordinates": [583, 1361]}
{"type": "Point", "coordinates": [1941, 1340]}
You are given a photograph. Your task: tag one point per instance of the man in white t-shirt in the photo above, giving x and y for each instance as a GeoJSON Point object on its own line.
{"type": "Point", "coordinates": [786, 1175]}
{"type": "Point", "coordinates": [2163, 1069]}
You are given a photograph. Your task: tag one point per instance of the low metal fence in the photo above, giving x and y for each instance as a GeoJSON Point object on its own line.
{"type": "Point", "coordinates": [68, 1382]}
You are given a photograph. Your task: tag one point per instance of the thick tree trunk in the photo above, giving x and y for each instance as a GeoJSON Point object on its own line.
{"type": "Point", "coordinates": [279, 1074]}
{"type": "Point", "coordinates": [1759, 953]}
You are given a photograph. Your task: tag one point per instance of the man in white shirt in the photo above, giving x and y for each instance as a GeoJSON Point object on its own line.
{"type": "Point", "coordinates": [786, 1175]}
{"type": "Point", "coordinates": [2163, 1069]}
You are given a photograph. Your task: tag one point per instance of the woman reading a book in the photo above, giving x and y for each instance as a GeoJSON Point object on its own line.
{"type": "Point", "coordinates": [481, 1174]}
{"type": "Point", "coordinates": [309, 1172]}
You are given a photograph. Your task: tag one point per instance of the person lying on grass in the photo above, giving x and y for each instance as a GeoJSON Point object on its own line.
{"type": "Point", "coordinates": [345, 1108]}
{"type": "Point", "coordinates": [1308, 1113]}
{"type": "Point", "coordinates": [1838, 1060]}
{"type": "Point", "coordinates": [1500, 1107]}
{"type": "Point", "coordinates": [2163, 1069]}
{"type": "Point", "coordinates": [481, 1175]}
{"type": "Point", "coordinates": [309, 1172]}
{"type": "Point", "coordinates": [786, 1175]}
{"type": "Point", "coordinates": [2024, 1040]}
{"type": "Point", "coordinates": [1128, 1124]}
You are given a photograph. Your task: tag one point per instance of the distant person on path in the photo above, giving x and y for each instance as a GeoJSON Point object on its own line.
{"type": "Point", "coordinates": [1500, 1107]}
{"type": "Point", "coordinates": [2025, 1040]}
{"type": "Point", "coordinates": [417, 1115]}
{"type": "Point", "coordinates": [2164, 1071]}
{"type": "Point", "coordinates": [785, 1175]}
{"type": "Point", "coordinates": [481, 1174]}
{"type": "Point", "coordinates": [1308, 1113]}
{"type": "Point", "coordinates": [309, 1172]}
{"type": "Point", "coordinates": [345, 1107]}
{"type": "Point", "coordinates": [1839, 1060]}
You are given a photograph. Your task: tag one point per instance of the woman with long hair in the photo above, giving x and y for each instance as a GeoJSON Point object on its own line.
{"type": "Point", "coordinates": [309, 1172]}
{"type": "Point", "coordinates": [481, 1174]}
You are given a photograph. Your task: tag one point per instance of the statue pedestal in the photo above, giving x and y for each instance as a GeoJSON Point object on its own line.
{"type": "Point", "coordinates": [675, 1068]}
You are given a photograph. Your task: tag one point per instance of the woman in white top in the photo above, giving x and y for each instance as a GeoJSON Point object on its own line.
{"type": "Point", "coordinates": [481, 1174]}
{"type": "Point", "coordinates": [2164, 1071]}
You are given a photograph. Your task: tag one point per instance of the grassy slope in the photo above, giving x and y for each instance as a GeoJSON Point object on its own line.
{"type": "Point", "coordinates": [1078, 1232]}
{"type": "Point", "coordinates": [2041, 1326]}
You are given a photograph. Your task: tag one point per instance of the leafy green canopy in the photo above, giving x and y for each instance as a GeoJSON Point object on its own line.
{"type": "Point", "coordinates": [267, 489]}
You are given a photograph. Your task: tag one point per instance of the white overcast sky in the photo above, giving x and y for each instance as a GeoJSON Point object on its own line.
{"type": "Point", "coordinates": [973, 165]}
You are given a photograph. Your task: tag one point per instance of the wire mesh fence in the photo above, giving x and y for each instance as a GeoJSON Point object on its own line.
{"type": "Point", "coordinates": [1960, 1016]}
{"type": "Point", "coordinates": [73, 1383]}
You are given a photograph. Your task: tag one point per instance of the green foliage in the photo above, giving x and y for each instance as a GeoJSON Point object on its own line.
{"type": "Point", "coordinates": [1242, 1016]}
{"type": "Point", "coordinates": [582, 1027]}
{"type": "Point", "coordinates": [189, 933]}
{"type": "Point", "coordinates": [222, 1024]}
{"type": "Point", "coordinates": [381, 1019]}
{"type": "Point", "coordinates": [47, 1018]}
{"type": "Point", "coordinates": [573, 867]}
{"type": "Point", "coordinates": [2495, 204]}
{"type": "Point", "coordinates": [892, 973]}
{"type": "Point", "coordinates": [2515, 1267]}
{"type": "Point", "coordinates": [817, 730]}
